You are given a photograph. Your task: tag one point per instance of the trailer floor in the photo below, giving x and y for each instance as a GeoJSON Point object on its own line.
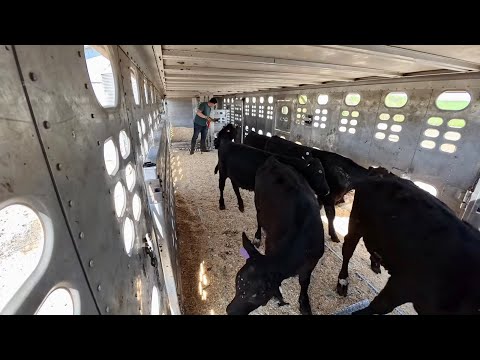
{"type": "Point", "coordinates": [210, 242]}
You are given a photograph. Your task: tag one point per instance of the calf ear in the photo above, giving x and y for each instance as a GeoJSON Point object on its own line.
{"type": "Point", "coordinates": [247, 244]}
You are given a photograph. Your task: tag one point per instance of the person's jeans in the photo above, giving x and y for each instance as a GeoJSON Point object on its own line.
{"type": "Point", "coordinates": [196, 130]}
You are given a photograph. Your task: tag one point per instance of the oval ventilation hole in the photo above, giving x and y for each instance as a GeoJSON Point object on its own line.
{"type": "Point", "coordinates": [119, 198]}
{"type": "Point", "coordinates": [136, 207]}
{"type": "Point", "coordinates": [435, 121]}
{"type": "Point", "coordinates": [399, 118]}
{"type": "Point", "coordinates": [453, 100]}
{"type": "Point", "coordinates": [427, 144]}
{"type": "Point", "coordinates": [322, 99]}
{"type": "Point", "coordinates": [393, 138]}
{"type": "Point", "coordinates": [146, 90]}
{"type": "Point", "coordinates": [22, 239]}
{"type": "Point", "coordinates": [128, 235]}
{"type": "Point", "coordinates": [145, 146]}
{"type": "Point", "coordinates": [396, 99]}
{"type": "Point", "coordinates": [155, 310]}
{"type": "Point", "coordinates": [124, 142]}
{"type": "Point", "coordinates": [448, 148]}
{"type": "Point", "coordinates": [101, 75]}
{"type": "Point", "coordinates": [433, 133]}
{"type": "Point", "coordinates": [110, 157]}
{"type": "Point", "coordinates": [136, 93]}
{"type": "Point", "coordinates": [456, 123]}
{"type": "Point", "coordinates": [352, 99]}
{"type": "Point", "coordinates": [58, 302]}
{"type": "Point", "coordinates": [130, 176]}
{"type": "Point", "coordinates": [452, 136]}
{"type": "Point", "coordinates": [396, 128]}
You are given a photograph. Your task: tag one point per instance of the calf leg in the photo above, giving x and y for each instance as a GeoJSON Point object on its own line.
{"type": "Point", "coordinates": [304, 279]}
{"type": "Point", "coordinates": [239, 197]}
{"type": "Point", "coordinates": [258, 234]}
{"type": "Point", "coordinates": [278, 295]}
{"type": "Point", "coordinates": [330, 212]}
{"type": "Point", "coordinates": [221, 186]}
{"type": "Point", "coordinates": [349, 244]}
{"type": "Point", "coordinates": [375, 263]}
{"type": "Point", "coordinates": [391, 296]}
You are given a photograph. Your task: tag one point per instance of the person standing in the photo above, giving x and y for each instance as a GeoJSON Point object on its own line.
{"type": "Point", "coordinates": [200, 124]}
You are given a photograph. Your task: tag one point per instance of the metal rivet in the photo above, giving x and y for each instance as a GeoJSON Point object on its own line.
{"type": "Point", "coordinates": [99, 287]}
{"type": "Point", "coordinates": [86, 86]}
{"type": "Point", "coordinates": [32, 76]}
{"type": "Point", "coordinates": [81, 235]}
{"type": "Point", "coordinates": [109, 191]}
{"type": "Point", "coordinates": [59, 166]}
{"type": "Point", "coordinates": [92, 116]}
{"type": "Point", "coordinates": [90, 263]}
{"type": "Point", "coordinates": [98, 143]}
{"type": "Point", "coordinates": [79, 54]}
{"type": "Point", "coordinates": [70, 203]}
{"type": "Point", "coordinates": [107, 309]}
{"type": "Point", "coordinates": [46, 125]}
{"type": "Point", "coordinates": [136, 295]}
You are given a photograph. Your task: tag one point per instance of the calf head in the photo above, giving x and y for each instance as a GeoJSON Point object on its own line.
{"type": "Point", "coordinates": [255, 284]}
{"type": "Point", "coordinates": [315, 175]}
{"type": "Point", "coordinates": [228, 133]}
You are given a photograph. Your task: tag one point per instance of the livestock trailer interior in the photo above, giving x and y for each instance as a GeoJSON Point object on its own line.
{"type": "Point", "coordinates": [104, 211]}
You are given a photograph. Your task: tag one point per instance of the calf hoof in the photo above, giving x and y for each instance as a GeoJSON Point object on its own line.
{"type": "Point", "coordinates": [256, 242]}
{"type": "Point", "coordinates": [222, 206]}
{"type": "Point", "coordinates": [282, 303]}
{"type": "Point", "coordinates": [305, 309]}
{"type": "Point", "coordinates": [334, 238]}
{"type": "Point", "coordinates": [376, 268]}
{"type": "Point", "coordinates": [241, 208]}
{"type": "Point", "coordinates": [342, 288]}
